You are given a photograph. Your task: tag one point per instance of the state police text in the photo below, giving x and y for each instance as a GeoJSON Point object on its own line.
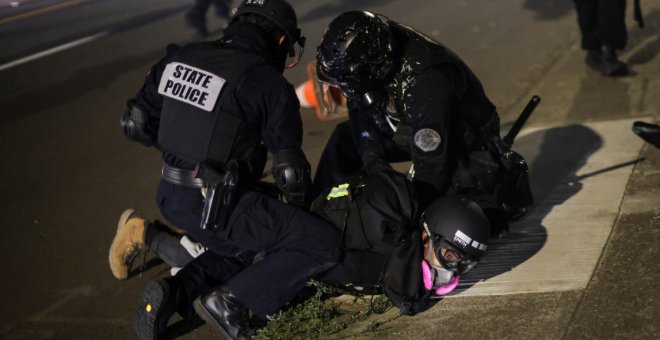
{"type": "Point", "coordinates": [184, 89]}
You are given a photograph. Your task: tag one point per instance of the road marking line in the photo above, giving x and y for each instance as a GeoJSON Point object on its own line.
{"type": "Point", "coordinates": [52, 50]}
{"type": "Point", "coordinates": [41, 11]}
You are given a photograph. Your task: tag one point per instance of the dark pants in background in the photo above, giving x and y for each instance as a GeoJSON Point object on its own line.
{"type": "Point", "coordinates": [602, 23]}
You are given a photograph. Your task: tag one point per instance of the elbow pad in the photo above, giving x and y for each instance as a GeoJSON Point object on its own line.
{"type": "Point", "coordinates": [134, 125]}
{"type": "Point", "coordinates": [292, 175]}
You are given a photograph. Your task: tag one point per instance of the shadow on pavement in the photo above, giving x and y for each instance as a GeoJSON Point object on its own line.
{"type": "Point", "coordinates": [640, 39]}
{"type": "Point", "coordinates": [600, 97]}
{"type": "Point", "coordinates": [72, 87]}
{"type": "Point", "coordinates": [561, 153]}
{"type": "Point", "coordinates": [549, 9]}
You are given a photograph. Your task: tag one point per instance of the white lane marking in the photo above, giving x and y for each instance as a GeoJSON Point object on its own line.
{"type": "Point", "coordinates": [40, 10]}
{"type": "Point", "coordinates": [12, 3]}
{"type": "Point", "coordinates": [52, 50]}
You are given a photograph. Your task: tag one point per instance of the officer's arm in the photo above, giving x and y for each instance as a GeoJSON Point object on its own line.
{"type": "Point", "coordinates": [142, 114]}
{"type": "Point", "coordinates": [267, 96]}
{"type": "Point", "coordinates": [367, 138]}
{"type": "Point", "coordinates": [431, 111]}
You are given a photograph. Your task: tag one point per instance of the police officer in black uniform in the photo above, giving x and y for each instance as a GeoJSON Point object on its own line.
{"type": "Point", "coordinates": [387, 247]}
{"type": "Point", "coordinates": [409, 98]}
{"type": "Point", "coordinates": [214, 109]}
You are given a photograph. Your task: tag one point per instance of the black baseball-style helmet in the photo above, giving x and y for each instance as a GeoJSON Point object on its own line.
{"type": "Point", "coordinates": [282, 14]}
{"type": "Point", "coordinates": [355, 52]}
{"type": "Point", "coordinates": [458, 224]}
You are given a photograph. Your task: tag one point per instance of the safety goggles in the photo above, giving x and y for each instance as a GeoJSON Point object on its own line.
{"type": "Point", "coordinates": [449, 256]}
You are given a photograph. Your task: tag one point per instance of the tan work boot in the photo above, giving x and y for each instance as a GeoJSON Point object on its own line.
{"type": "Point", "coordinates": [127, 244]}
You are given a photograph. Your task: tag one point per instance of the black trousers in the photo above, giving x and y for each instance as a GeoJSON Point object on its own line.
{"type": "Point", "coordinates": [182, 207]}
{"type": "Point", "coordinates": [602, 22]}
{"type": "Point", "coordinates": [296, 246]}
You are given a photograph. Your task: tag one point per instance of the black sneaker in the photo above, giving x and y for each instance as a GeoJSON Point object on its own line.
{"type": "Point", "coordinates": [157, 305]}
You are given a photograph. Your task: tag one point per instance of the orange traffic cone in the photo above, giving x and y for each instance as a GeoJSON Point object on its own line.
{"type": "Point", "coordinates": [306, 96]}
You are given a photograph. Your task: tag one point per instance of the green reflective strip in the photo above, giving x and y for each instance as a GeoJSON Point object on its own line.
{"type": "Point", "coordinates": [338, 191]}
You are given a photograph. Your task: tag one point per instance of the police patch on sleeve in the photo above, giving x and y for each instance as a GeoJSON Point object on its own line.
{"type": "Point", "coordinates": [427, 139]}
{"type": "Point", "coordinates": [191, 85]}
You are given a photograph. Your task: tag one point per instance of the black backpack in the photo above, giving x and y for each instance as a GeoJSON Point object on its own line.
{"type": "Point", "coordinates": [380, 236]}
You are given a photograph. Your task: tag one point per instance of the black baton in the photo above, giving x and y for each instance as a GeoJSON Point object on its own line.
{"type": "Point", "coordinates": [520, 122]}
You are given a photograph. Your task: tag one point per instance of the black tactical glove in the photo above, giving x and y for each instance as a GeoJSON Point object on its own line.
{"type": "Point", "coordinates": [292, 175]}
{"type": "Point", "coordinates": [134, 125]}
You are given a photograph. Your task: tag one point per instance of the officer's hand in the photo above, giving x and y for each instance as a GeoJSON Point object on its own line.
{"type": "Point", "coordinates": [134, 125]}
{"type": "Point", "coordinates": [292, 174]}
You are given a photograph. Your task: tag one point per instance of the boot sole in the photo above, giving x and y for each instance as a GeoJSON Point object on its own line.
{"type": "Point", "coordinates": [122, 222]}
{"type": "Point", "coordinates": [149, 319]}
{"type": "Point", "coordinates": [209, 319]}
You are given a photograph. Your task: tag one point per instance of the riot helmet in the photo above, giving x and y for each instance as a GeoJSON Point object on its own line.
{"type": "Point", "coordinates": [355, 53]}
{"type": "Point", "coordinates": [459, 232]}
{"type": "Point", "coordinates": [282, 14]}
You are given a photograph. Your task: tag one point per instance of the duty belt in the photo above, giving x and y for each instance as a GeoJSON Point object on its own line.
{"type": "Point", "coordinates": [181, 177]}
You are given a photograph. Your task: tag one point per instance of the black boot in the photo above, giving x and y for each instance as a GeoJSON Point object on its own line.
{"type": "Point", "coordinates": [223, 310]}
{"type": "Point", "coordinates": [650, 133]}
{"type": "Point", "coordinates": [613, 66]}
{"type": "Point", "coordinates": [606, 62]}
{"type": "Point", "coordinates": [157, 305]}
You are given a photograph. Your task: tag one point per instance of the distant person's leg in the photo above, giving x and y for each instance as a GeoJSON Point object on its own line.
{"type": "Point", "coordinates": [196, 16]}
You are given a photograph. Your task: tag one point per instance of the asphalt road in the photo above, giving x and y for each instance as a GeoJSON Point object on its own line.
{"type": "Point", "coordinates": [68, 172]}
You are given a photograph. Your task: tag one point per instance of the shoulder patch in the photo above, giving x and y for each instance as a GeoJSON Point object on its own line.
{"type": "Point", "coordinates": [427, 139]}
{"type": "Point", "coordinates": [191, 85]}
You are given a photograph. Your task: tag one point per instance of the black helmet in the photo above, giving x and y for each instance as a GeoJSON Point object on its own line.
{"type": "Point", "coordinates": [355, 53]}
{"type": "Point", "coordinates": [282, 14]}
{"type": "Point", "coordinates": [459, 223]}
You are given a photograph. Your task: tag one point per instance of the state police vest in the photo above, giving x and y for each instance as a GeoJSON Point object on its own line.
{"type": "Point", "coordinates": [420, 53]}
{"type": "Point", "coordinates": [200, 118]}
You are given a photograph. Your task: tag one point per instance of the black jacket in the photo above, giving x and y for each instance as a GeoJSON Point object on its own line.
{"type": "Point", "coordinates": [267, 100]}
{"type": "Point", "coordinates": [441, 108]}
{"type": "Point", "coordinates": [380, 238]}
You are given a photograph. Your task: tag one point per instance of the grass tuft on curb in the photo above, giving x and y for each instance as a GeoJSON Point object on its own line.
{"type": "Point", "coordinates": [320, 316]}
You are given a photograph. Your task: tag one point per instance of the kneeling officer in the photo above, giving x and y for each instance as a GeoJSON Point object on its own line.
{"type": "Point", "coordinates": [214, 109]}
